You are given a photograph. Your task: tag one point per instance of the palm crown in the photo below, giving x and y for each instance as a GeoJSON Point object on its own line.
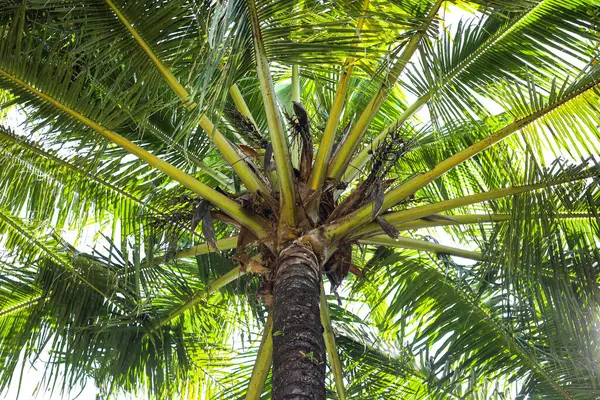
{"type": "Point", "coordinates": [232, 153]}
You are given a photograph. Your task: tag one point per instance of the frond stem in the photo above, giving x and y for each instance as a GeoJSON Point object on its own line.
{"type": "Point", "coordinates": [283, 163]}
{"type": "Point", "coordinates": [240, 103]}
{"type": "Point", "coordinates": [467, 220]}
{"type": "Point", "coordinates": [342, 158]}
{"type": "Point", "coordinates": [329, 336]}
{"type": "Point", "coordinates": [399, 217]}
{"type": "Point", "coordinates": [253, 222]}
{"type": "Point", "coordinates": [415, 244]}
{"type": "Point", "coordinates": [200, 249]}
{"type": "Point", "coordinates": [319, 170]}
{"type": "Point", "coordinates": [396, 195]}
{"type": "Point", "coordinates": [240, 167]}
{"type": "Point", "coordinates": [361, 159]}
{"type": "Point", "coordinates": [263, 362]}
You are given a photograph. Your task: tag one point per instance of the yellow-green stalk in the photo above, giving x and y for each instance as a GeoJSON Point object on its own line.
{"type": "Point", "coordinates": [414, 213]}
{"type": "Point", "coordinates": [241, 168]}
{"type": "Point", "coordinates": [283, 162]}
{"type": "Point", "coordinates": [250, 220]}
{"type": "Point", "coordinates": [396, 195]}
{"type": "Point", "coordinates": [342, 157]}
{"type": "Point", "coordinates": [263, 362]}
{"type": "Point", "coordinates": [319, 170]}
{"type": "Point", "coordinates": [415, 244]}
{"type": "Point", "coordinates": [329, 336]}
{"type": "Point", "coordinates": [357, 164]}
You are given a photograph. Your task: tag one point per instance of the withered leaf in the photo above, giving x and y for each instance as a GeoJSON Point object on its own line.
{"type": "Point", "coordinates": [387, 183]}
{"type": "Point", "coordinates": [208, 230]}
{"type": "Point", "coordinates": [268, 156]}
{"type": "Point", "coordinates": [199, 212]}
{"type": "Point", "coordinates": [350, 203]}
{"type": "Point", "coordinates": [306, 156]}
{"type": "Point", "coordinates": [338, 265]}
{"type": "Point", "coordinates": [388, 228]}
{"type": "Point", "coordinates": [245, 237]}
{"type": "Point", "coordinates": [249, 151]}
{"type": "Point", "coordinates": [356, 271]}
{"type": "Point", "coordinates": [377, 197]}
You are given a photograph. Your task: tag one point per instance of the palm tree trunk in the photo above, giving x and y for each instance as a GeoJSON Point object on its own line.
{"type": "Point", "coordinates": [298, 345]}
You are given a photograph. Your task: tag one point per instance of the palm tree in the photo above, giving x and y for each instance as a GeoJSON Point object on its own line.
{"type": "Point", "coordinates": [231, 157]}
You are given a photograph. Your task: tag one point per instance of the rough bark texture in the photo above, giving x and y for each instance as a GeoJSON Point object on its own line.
{"type": "Point", "coordinates": [298, 345]}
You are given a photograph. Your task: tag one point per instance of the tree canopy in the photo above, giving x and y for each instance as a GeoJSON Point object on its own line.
{"type": "Point", "coordinates": [439, 158]}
